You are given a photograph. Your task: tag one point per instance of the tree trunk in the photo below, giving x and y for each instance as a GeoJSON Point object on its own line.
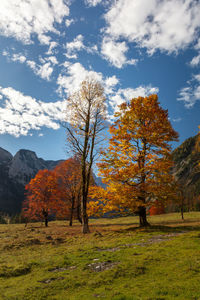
{"type": "Point", "coordinates": [46, 221]}
{"type": "Point", "coordinates": [79, 213]}
{"type": "Point", "coordinates": [85, 225]}
{"type": "Point", "coordinates": [182, 209]}
{"type": "Point", "coordinates": [143, 216]}
{"type": "Point", "coordinates": [71, 213]}
{"type": "Point", "coordinates": [182, 216]}
{"type": "Point", "coordinates": [45, 214]}
{"type": "Point", "coordinates": [85, 216]}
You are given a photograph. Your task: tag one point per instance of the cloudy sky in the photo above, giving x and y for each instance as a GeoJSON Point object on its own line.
{"type": "Point", "coordinates": [133, 47]}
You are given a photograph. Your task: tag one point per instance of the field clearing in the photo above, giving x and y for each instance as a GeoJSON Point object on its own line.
{"type": "Point", "coordinates": [117, 260]}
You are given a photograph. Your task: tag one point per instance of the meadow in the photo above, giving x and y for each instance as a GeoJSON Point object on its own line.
{"type": "Point", "coordinates": [117, 260]}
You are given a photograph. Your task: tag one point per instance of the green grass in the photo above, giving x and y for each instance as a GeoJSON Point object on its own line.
{"type": "Point", "coordinates": [117, 260]}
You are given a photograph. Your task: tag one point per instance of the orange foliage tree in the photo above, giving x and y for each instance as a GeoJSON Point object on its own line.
{"type": "Point", "coordinates": [56, 192]}
{"type": "Point", "coordinates": [156, 209]}
{"type": "Point", "coordinates": [39, 202]}
{"type": "Point", "coordinates": [67, 192]}
{"type": "Point", "coordinates": [136, 166]}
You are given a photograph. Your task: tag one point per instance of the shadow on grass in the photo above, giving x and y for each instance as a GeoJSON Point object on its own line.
{"type": "Point", "coordinates": [161, 228]}
{"type": "Point", "coordinates": [111, 225]}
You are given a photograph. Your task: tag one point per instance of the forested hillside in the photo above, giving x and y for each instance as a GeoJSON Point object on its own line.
{"type": "Point", "coordinates": [187, 170]}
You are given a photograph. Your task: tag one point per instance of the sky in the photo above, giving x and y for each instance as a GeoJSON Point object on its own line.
{"type": "Point", "coordinates": [132, 47]}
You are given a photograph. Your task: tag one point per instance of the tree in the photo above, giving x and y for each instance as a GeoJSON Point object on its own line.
{"type": "Point", "coordinates": [68, 188]}
{"type": "Point", "coordinates": [156, 209]}
{"type": "Point", "coordinates": [87, 114]}
{"type": "Point", "coordinates": [39, 202]}
{"type": "Point", "coordinates": [136, 166]}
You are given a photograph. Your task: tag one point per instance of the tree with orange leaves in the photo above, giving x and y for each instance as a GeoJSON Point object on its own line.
{"type": "Point", "coordinates": [136, 166]}
{"type": "Point", "coordinates": [68, 189]}
{"type": "Point", "coordinates": [39, 201]}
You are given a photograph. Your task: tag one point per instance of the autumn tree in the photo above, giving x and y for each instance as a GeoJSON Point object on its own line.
{"type": "Point", "coordinates": [39, 202]}
{"type": "Point", "coordinates": [87, 114]}
{"type": "Point", "coordinates": [136, 166]}
{"type": "Point", "coordinates": [67, 192]}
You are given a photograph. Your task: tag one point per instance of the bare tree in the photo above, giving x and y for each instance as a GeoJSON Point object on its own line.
{"type": "Point", "coordinates": [85, 127]}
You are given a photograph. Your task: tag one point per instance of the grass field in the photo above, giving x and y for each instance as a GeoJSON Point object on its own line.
{"type": "Point", "coordinates": [117, 260]}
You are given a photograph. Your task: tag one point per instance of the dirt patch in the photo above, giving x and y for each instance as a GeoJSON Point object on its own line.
{"type": "Point", "coordinates": [102, 266]}
{"type": "Point", "coordinates": [155, 239]}
{"type": "Point", "coordinates": [110, 249]}
{"type": "Point", "coordinates": [58, 241]}
{"type": "Point", "coordinates": [58, 269]}
{"type": "Point", "coordinates": [32, 242]}
{"type": "Point", "coordinates": [49, 280]}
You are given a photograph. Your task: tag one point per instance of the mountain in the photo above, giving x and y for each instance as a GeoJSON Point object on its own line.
{"type": "Point", "coordinates": [15, 172]}
{"type": "Point", "coordinates": [187, 169]}
{"type": "Point", "coordinates": [98, 181]}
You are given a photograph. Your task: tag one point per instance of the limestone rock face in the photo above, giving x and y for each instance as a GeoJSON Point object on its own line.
{"type": "Point", "coordinates": [5, 156]}
{"type": "Point", "coordinates": [186, 169]}
{"type": "Point", "coordinates": [25, 165]}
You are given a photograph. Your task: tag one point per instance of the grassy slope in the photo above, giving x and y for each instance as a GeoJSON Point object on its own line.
{"type": "Point", "coordinates": [162, 262]}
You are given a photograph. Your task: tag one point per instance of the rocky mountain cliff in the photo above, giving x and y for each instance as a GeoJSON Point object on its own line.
{"type": "Point", "coordinates": [15, 172]}
{"type": "Point", "coordinates": [187, 169]}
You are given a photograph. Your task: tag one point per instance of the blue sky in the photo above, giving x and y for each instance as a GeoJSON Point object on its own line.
{"type": "Point", "coordinates": [133, 47]}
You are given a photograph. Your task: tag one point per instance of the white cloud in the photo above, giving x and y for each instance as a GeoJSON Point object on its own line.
{"type": "Point", "coordinates": [45, 71]}
{"type": "Point", "coordinates": [76, 73]}
{"type": "Point", "coordinates": [115, 52]}
{"type": "Point", "coordinates": [71, 56]}
{"type": "Point", "coordinates": [20, 113]}
{"type": "Point", "coordinates": [5, 53]}
{"type": "Point", "coordinates": [19, 57]}
{"type": "Point", "coordinates": [14, 57]}
{"type": "Point", "coordinates": [197, 46]}
{"type": "Point", "coordinates": [74, 46]}
{"type": "Point", "coordinates": [32, 65]}
{"type": "Point", "coordinates": [77, 45]}
{"type": "Point", "coordinates": [44, 39]}
{"type": "Point", "coordinates": [110, 83]}
{"type": "Point", "coordinates": [127, 94]}
{"type": "Point", "coordinates": [93, 2]}
{"type": "Point", "coordinates": [191, 93]}
{"type": "Point", "coordinates": [176, 120]}
{"type": "Point", "coordinates": [22, 19]}
{"type": "Point", "coordinates": [66, 64]}
{"type": "Point", "coordinates": [68, 22]}
{"type": "Point", "coordinates": [167, 25]}
{"type": "Point", "coordinates": [52, 59]}
{"type": "Point", "coordinates": [197, 77]}
{"type": "Point", "coordinates": [195, 61]}
{"type": "Point", "coordinates": [52, 46]}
